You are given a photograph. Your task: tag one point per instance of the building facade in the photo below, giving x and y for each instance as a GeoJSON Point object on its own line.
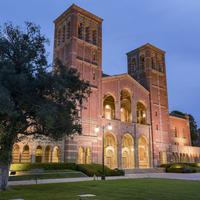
{"type": "Point", "coordinates": [134, 104]}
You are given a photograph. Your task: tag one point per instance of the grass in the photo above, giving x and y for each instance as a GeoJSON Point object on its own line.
{"type": "Point", "coordinates": [48, 175]}
{"type": "Point", "coordinates": [138, 189]}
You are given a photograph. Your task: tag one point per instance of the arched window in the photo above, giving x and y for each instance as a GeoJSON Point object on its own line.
{"type": "Point", "coordinates": [143, 153]}
{"type": "Point", "coordinates": [110, 150]}
{"type": "Point", "coordinates": [38, 154]}
{"type": "Point", "coordinates": [127, 152]}
{"type": "Point", "coordinates": [56, 155]}
{"type": "Point", "coordinates": [141, 113]}
{"type": "Point", "coordinates": [109, 107]}
{"type": "Point", "coordinates": [80, 31]}
{"type": "Point", "coordinates": [25, 158]}
{"type": "Point", "coordinates": [47, 155]}
{"type": "Point", "coordinates": [16, 154]}
{"type": "Point", "coordinates": [125, 106]}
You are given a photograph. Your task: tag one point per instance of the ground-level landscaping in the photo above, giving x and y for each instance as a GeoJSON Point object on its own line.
{"type": "Point", "coordinates": [33, 171]}
{"type": "Point", "coordinates": [139, 189]}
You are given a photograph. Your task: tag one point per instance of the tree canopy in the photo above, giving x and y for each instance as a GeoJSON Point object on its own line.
{"type": "Point", "coordinates": [34, 100]}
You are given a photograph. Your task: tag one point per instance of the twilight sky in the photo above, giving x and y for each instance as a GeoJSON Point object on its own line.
{"type": "Point", "coordinates": [172, 25]}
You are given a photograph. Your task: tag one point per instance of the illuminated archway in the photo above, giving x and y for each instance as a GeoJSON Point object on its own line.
{"type": "Point", "coordinates": [125, 108]}
{"type": "Point", "coordinates": [38, 154]}
{"type": "Point", "coordinates": [143, 152]}
{"type": "Point", "coordinates": [110, 151]}
{"type": "Point", "coordinates": [109, 107]}
{"type": "Point", "coordinates": [56, 154]}
{"type": "Point", "coordinates": [163, 157]}
{"type": "Point", "coordinates": [127, 152]}
{"type": "Point", "coordinates": [47, 154]}
{"type": "Point", "coordinates": [81, 155]}
{"type": "Point", "coordinates": [88, 155]}
{"type": "Point", "coordinates": [16, 154]}
{"type": "Point", "coordinates": [141, 113]}
{"type": "Point", "coordinates": [25, 158]}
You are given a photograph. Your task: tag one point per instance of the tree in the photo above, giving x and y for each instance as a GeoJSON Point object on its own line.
{"type": "Point", "coordinates": [33, 100]}
{"type": "Point", "coordinates": [193, 125]}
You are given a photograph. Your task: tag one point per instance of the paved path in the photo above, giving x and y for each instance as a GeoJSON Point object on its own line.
{"type": "Point", "coordinates": [195, 177]}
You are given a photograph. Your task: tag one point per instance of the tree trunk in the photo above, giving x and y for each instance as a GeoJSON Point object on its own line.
{"type": "Point", "coordinates": [4, 173]}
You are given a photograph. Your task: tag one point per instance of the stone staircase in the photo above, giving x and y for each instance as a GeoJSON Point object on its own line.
{"type": "Point", "coordinates": [143, 171]}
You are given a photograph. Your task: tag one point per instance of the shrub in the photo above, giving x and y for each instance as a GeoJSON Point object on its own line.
{"type": "Point", "coordinates": [181, 168]}
{"type": "Point", "coordinates": [96, 169]}
{"type": "Point", "coordinates": [44, 166]}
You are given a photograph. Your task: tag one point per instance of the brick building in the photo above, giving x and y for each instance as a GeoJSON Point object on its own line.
{"type": "Point", "coordinates": [130, 111]}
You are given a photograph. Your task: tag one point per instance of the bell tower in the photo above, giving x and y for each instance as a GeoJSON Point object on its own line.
{"type": "Point", "coordinates": [78, 44]}
{"type": "Point", "coordinates": [147, 65]}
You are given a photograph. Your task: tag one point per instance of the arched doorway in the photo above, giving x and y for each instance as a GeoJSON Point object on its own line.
{"type": "Point", "coordinates": [38, 154]}
{"type": "Point", "coordinates": [56, 155]}
{"type": "Point", "coordinates": [25, 158]}
{"type": "Point", "coordinates": [127, 152]}
{"type": "Point", "coordinates": [47, 154]}
{"type": "Point", "coordinates": [88, 155]}
{"type": "Point", "coordinates": [81, 155]}
{"type": "Point", "coordinates": [110, 151]}
{"type": "Point", "coordinates": [143, 153]}
{"type": "Point", "coordinates": [16, 154]}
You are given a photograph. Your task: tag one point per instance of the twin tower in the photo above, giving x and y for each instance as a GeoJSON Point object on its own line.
{"type": "Point", "coordinates": [78, 44]}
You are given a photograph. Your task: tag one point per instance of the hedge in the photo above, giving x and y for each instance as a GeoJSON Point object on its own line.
{"type": "Point", "coordinates": [44, 166]}
{"type": "Point", "coordinates": [182, 167]}
{"type": "Point", "coordinates": [96, 169]}
{"type": "Point", "coordinates": [88, 169]}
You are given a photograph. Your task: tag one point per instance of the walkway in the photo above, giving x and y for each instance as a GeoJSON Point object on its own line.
{"type": "Point", "coordinates": [195, 177]}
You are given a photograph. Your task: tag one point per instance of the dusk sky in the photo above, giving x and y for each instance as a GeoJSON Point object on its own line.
{"type": "Point", "coordinates": [172, 25]}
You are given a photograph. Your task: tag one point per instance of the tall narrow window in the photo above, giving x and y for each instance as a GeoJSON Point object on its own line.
{"type": "Point", "coordinates": [80, 31]}
{"type": "Point", "coordinates": [87, 34]}
{"type": "Point", "coordinates": [94, 37]}
{"type": "Point", "coordinates": [63, 34]}
{"type": "Point", "coordinates": [94, 76]}
{"type": "Point", "coordinates": [58, 40]}
{"type": "Point", "coordinates": [68, 29]}
{"type": "Point", "coordinates": [142, 61]}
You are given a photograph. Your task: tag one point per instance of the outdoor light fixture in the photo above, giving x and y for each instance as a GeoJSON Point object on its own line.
{"type": "Point", "coordinates": [97, 129]}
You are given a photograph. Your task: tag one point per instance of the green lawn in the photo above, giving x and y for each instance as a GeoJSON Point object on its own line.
{"type": "Point", "coordinates": [136, 189]}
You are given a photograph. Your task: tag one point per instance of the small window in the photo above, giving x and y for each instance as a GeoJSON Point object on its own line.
{"type": "Point", "coordinates": [94, 76]}
{"type": "Point", "coordinates": [157, 128]}
{"type": "Point", "coordinates": [156, 113]}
